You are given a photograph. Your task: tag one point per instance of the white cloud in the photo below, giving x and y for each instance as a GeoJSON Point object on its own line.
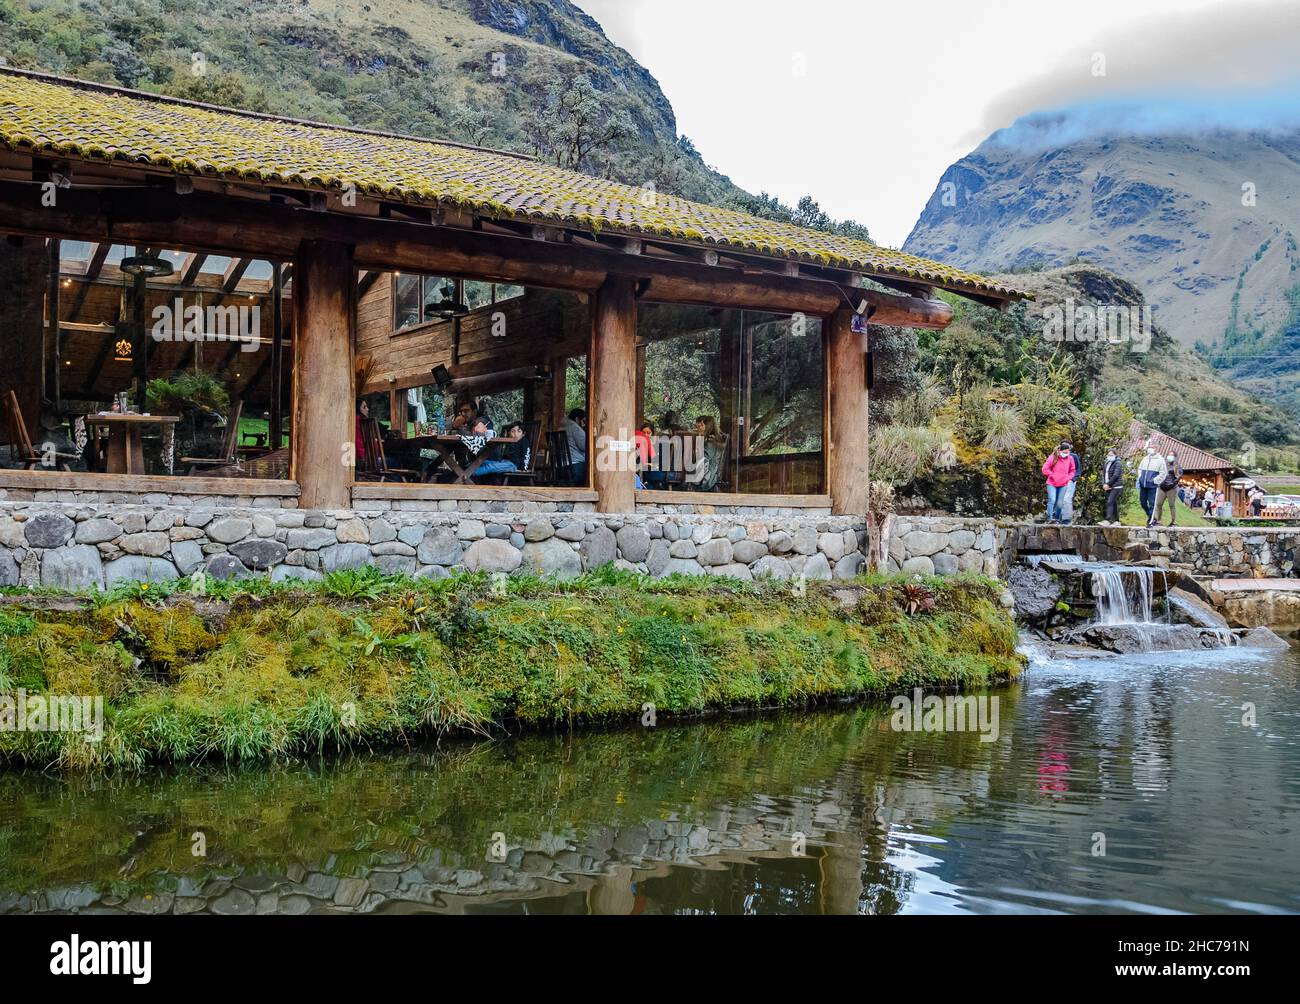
{"type": "Point", "coordinates": [891, 94]}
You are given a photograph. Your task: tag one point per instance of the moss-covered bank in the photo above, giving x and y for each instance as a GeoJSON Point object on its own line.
{"type": "Point", "coordinates": [257, 671]}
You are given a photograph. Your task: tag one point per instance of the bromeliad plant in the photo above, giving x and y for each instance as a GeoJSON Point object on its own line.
{"type": "Point", "coordinates": [917, 598]}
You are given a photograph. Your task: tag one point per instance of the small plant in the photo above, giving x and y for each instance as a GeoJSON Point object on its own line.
{"type": "Point", "coordinates": [917, 598]}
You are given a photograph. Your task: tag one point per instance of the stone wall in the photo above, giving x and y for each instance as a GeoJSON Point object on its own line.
{"type": "Point", "coordinates": [1222, 552]}
{"type": "Point", "coordinates": [84, 545]}
{"type": "Point", "coordinates": [935, 545]}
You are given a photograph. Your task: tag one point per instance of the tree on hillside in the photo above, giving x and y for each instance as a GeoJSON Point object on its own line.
{"type": "Point", "coordinates": [574, 123]}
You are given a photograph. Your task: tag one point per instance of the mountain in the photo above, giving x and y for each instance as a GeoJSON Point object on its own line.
{"type": "Point", "coordinates": [1205, 223]}
{"type": "Point", "coordinates": [536, 76]}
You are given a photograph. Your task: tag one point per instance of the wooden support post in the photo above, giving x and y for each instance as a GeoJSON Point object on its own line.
{"type": "Point", "coordinates": [275, 433]}
{"type": "Point", "coordinates": [23, 265]}
{"type": "Point", "coordinates": [324, 426]}
{"type": "Point", "coordinates": [846, 395]}
{"type": "Point", "coordinates": [612, 412]}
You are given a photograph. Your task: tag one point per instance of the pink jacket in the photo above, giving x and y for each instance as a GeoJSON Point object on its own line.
{"type": "Point", "coordinates": [1058, 470]}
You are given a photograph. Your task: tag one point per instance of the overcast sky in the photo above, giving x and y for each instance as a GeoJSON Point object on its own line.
{"type": "Point", "coordinates": [863, 104]}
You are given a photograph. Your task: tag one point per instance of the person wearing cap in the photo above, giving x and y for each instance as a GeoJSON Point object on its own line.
{"type": "Point", "coordinates": [1167, 491]}
{"type": "Point", "coordinates": [1150, 473]}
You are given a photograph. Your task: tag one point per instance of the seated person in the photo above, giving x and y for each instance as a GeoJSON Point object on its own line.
{"type": "Point", "coordinates": [514, 457]}
{"type": "Point", "coordinates": [705, 473]}
{"type": "Point", "coordinates": [648, 461]}
{"type": "Point", "coordinates": [575, 434]}
{"type": "Point", "coordinates": [466, 413]}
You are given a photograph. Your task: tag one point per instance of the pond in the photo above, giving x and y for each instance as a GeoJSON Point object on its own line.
{"type": "Point", "coordinates": [1124, 784]}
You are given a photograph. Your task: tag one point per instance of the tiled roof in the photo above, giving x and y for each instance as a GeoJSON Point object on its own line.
{"type": "Point", "coordinates": [1190, 458]}
{"type": "Point", "coordinates": [56, 116]}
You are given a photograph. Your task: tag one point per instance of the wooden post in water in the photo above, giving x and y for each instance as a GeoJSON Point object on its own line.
{"type": "Point", "coordinates": [324, 400]}
{"type": "Point", "coordinates": [612, 415]}
{"type": "Point", "coordinates": [846, 395]}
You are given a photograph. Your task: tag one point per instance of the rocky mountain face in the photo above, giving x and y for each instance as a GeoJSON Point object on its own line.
{"type": "Point", "coordinates": [1206, 225]}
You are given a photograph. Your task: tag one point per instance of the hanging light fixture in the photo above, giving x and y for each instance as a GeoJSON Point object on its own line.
{"type": "Point", "coordinates": [148, 266]}
{"type": "Point", "coordinates": [449, 306]}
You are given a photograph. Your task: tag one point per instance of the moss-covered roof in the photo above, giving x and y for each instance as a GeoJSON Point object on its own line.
{"type": "Point", "coordinates": [54, 116]}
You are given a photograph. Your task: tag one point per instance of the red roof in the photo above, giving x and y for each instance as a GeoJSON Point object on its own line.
{"type": "Point", "coordinates": [1190, 458]}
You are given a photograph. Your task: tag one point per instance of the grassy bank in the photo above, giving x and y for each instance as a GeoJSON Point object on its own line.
{"type": "Point", "coordinates": [254, 671]}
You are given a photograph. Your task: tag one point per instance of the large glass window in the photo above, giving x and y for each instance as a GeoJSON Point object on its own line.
{"type": "Point", "coordinates": [512, 354]}
{"type": "Point", "coordinates": [420, 299]}
{"type": "Point", "coordinates": [144, 360]}
{"type": "Point", "coordinates": [735, 396]}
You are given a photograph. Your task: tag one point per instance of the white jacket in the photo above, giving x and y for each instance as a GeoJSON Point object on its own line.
{"type": "Point", "coordinates": [1155, 462]}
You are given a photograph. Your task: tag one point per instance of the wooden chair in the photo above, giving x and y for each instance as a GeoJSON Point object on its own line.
{"type": "Point", "coordinates": [533, 433]}
{"type": "Point", "coordinates": [229, 443]}
{"type": "Point", "coordinates": [20, 438]}
{"type": "Point", "coordinates": [557, 442]}
{"type": "Point", "coordinates": [373, 466]}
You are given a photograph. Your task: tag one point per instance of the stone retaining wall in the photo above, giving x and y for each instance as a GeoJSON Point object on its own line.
{"type": "Point", "coordinates": [938, 545]}
{"type": "Point", "coordinates": [71, 546]}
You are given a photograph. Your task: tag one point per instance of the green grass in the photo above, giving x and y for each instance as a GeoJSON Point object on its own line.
{"type": "Point", "coordinates": [362, 658]}
{"type": "Point", "coordinates": [1131, 514]}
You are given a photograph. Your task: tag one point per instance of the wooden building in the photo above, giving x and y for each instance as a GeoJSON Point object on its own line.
{"type": "Point", "coordinates": [407, 271]}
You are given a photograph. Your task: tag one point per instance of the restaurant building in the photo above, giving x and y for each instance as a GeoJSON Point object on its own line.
{"type": "Point", "coordinates": [241, 343]}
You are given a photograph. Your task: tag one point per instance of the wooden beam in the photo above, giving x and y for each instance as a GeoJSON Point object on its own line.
{"type": "Point", "coordinates": [653, 497]}
{"type": "Point", "coordinates": [612, 416]}
{"type": "Point", "coordinates": [367, 281]}
{"type": "Point", "coordinates": [485, 493]}
{"type": "Point", "coordinates": [218, 224]}
{"type": "Point", "coordinates": [75, 481]}
{"type": "Point", "coordinates": [846, 396]}
{"type": "Point", "coordinates": [93, 268]}
{"type": "Point", "coordinates": [193, 266]}
{"type": "Point", "coordinates": [324, 431]}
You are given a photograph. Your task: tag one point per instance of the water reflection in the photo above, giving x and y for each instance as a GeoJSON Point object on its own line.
{"type": "Point", "coordinates": [815, 812]}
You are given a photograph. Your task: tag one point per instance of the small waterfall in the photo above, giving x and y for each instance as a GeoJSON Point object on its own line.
{"type": "Point", "coordinates": [1115, 606]}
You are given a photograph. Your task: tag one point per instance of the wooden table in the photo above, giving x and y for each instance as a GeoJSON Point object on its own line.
{"type": "Point", "coordinates": [125, 453]}
{"type": "Point", "coordinates": [445, 447]}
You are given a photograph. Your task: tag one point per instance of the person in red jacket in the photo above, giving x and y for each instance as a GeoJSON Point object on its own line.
{"type": "Point", "coordinates": [1059, 470]}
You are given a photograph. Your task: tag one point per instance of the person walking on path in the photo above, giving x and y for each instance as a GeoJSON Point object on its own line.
{"type": "Point", "coordinates": [1066, 500]}
{"type": "Point", "coordinates": [1150, 473]}
{"type": "Point", "coordinates": [1059, 470]}
{"type": "Point", "coordinates": [1167, 491]}
{"type": "Point", "coordinates": [1112, 483]}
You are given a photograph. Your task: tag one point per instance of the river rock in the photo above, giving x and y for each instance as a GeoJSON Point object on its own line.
{"type": "Point", "coordinates": [492, 555]}
{"type": "Point", "coordinates": [139, 568]}
{"type": "Point", "coordinates": [716, 552]}
{"type": "Point", "coordinates": [227, 531]}
{"type": "Point", "coordinates": [1262, 637]}
{"type": "Point", "coordinates": [439, 547]}
{"type": "Point", "coordinates": [309, 539]}
{"type": "Point", "coordinates": [599, 548]}
{"type": "Point", "coordinates": [748, 551]}
{"type": "Point", "coordinates": [74, 567]}
{"type": "Point", "coordinates": [634, 543]}
{"type": "Point", "coordinates": [48, 529]}
{"type": "Point", "coordinates": [97, 531]}
{"type": "Point", "coordinates": [657, 557]}
{"type": "Point", "coordinates": [552, 557]}
{"type": "Point", "coordinates": [152, 545]}
{"type": "Point", "coordinates": [831, 545]}
{"type": "Point", "coordinates": [771, 567]}
{"type": "Point", "coordinates": [224, 566]}
{"type": "Point", "coordinates": [817, 568]}
{"type": "Point", "coordinates": [187, 555]}
{"type": "Point", "coordinates": [342, 556]}
{"type": "Point", "coordinates": [8, 568]}
{"type": "Point", "coordinates": [1189, 609]}
{"type": "Point", "coordinates": [920, 565]}
{"type": "Point", "coordinates": [1036, 592]}
{"type": "Point", "coordinates": [260, 554]}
